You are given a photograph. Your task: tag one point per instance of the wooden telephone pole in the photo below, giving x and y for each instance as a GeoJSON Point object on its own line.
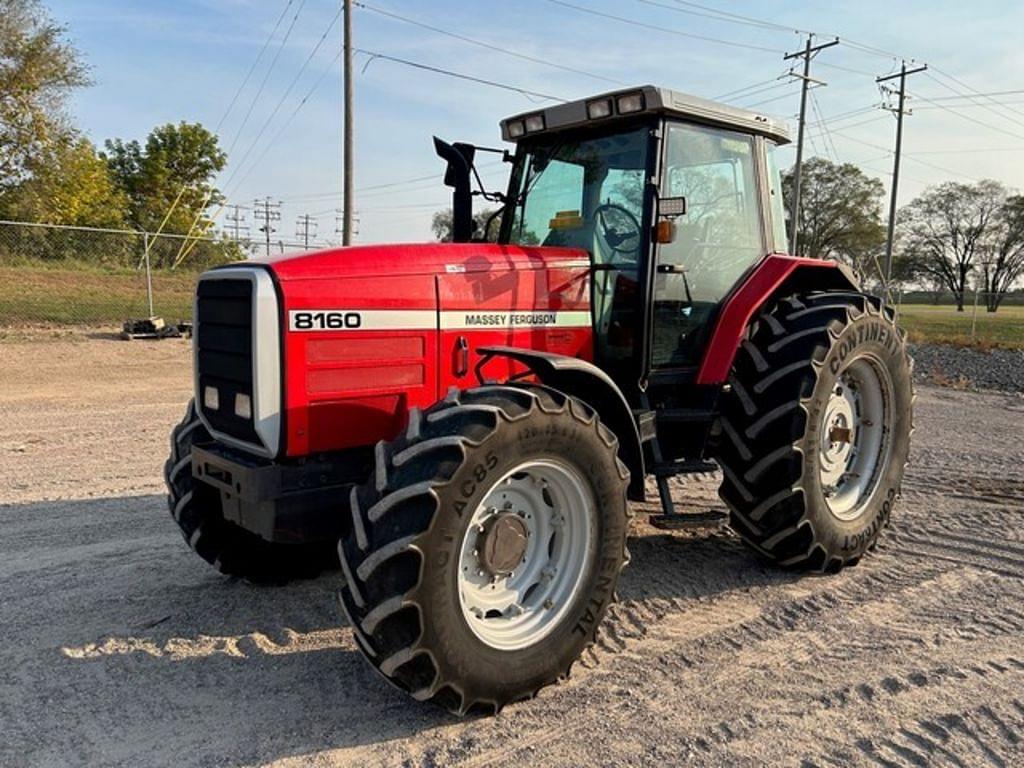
{"type": "Point", "coordinates": [900, 111]}
{"type": "Point", "coordinates": [808, 53]}
{"type": "Point", "coordinates": [349, 189]}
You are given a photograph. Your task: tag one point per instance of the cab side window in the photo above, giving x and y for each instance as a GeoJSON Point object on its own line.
{"type": "Point", "coordinates": [717, 239]}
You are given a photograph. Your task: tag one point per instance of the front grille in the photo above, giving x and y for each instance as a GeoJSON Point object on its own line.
{"type": "Point", "coordinates": [224, 353]}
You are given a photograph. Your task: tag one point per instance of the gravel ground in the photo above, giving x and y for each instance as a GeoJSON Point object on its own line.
{"type": "Point", "coordinates": [967, 368]}
{"type": "Point", "coordinates": [120, 647]}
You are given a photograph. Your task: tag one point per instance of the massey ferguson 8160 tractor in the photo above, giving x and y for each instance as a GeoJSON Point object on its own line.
{"type": "Point", "coordinates": [464, 423]}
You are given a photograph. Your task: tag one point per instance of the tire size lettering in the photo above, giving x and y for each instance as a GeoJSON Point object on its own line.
{"type": "Point", "coordinates": [323, 320]}
{"type": "Point", "coordinates": [478, 474]}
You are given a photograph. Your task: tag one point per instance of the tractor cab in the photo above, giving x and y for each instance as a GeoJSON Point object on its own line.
{"type": "Point", "coordinates": [674, 197]}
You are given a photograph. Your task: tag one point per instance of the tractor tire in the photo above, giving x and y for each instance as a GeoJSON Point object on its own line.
{"type": "Point", "coordinates": [815, 429]}
{"type": "Point", "coordinates": [486, 548]}
{"type": "Point", "coordinates": [232, 550]}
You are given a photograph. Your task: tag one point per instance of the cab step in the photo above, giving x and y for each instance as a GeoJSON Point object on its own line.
{"type": "Point", "coordinates": [674, 468]}
{"type": "Point", "coordinates": [712, 518]}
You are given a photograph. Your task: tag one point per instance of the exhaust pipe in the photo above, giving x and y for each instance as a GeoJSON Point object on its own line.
{"type": "Point", "coordinates": [460, 164]}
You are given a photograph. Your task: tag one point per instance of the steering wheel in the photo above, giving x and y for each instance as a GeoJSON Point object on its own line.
{"type": "Point", "coordinates": [619, 228]}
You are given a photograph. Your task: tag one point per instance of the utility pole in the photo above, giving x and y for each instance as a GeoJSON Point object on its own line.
{"type": "Point", "coordinates": [236, 221]}
{"type": "Point", "coordinates": [808, 53]}
{"type": "Point", "coordinates": [268, 212]}
{"type": "Point", "coordinates": [900, 111]}
{"type": "Point", "coordinates": [349, 190]}
{"type": "Point", "coordinates": [305, 227]}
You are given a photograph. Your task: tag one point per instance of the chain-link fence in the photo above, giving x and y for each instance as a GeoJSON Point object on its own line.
{"type": "Point", "coordinates": [54, 275]}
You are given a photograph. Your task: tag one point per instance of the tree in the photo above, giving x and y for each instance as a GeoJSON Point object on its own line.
{"type": "Point", "coordinates": [38, 71]}
{"type": "Point", "coordinates": [69, 184]}
{"type": "Point", "coordinates": [947, 228]}
{"type": "Point", "coordinates": [840, 215]}
{"type": "Point", "coordinates": [171, 174]}
{"type": "Point", "coordinates": [442, 225]}
{"type": "Point", "coordinates": [1001, 262]}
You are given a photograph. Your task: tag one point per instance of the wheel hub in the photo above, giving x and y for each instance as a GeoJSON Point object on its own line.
{"type": "Point", "coordinates": [854, 436]}
{"type": "Point", "coordinates": [525, 552]}
{"type": "Point", "coordinates": [502, 545]}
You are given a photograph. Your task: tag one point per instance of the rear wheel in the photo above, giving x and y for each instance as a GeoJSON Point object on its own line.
{"type": "Point", "coordinates": [486, 548]}
{"type": "Point", "coordinates": [196, 508]}
{"type": "Point", "coordinates": [815, 429]}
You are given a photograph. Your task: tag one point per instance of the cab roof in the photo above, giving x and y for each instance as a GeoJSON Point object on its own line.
{"type": "Point", "coordinates": [661, 101]}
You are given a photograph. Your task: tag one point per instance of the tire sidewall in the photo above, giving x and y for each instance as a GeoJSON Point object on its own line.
{"type": "Point", "coordinates": [537, 435]}
{"type": "Point", "coordinates": [868, 334]}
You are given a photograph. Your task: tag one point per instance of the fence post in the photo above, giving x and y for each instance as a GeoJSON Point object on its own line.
{"type": "Point", "coordinates": [149, 275]}
{"type": "Point", "coordinates": [974, 316]}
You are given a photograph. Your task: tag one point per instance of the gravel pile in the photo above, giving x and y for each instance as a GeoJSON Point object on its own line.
{"type": "Point", "coordinates": [967, 368]}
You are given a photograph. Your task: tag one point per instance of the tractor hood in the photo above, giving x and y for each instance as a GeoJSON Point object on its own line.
{"type": "Point", "coordinates": [332, 348]}
{"type": "Point", "coordinates": [419, 259]}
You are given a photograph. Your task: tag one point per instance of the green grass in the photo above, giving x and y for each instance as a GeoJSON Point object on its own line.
{"type": "Point", "coordinates": [944, 325]}
{"type": "Point", "coordinates": [63, 295]}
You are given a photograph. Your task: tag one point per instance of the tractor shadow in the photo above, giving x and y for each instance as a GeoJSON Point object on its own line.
{"type": "Point", "coordinates": [136, 636]}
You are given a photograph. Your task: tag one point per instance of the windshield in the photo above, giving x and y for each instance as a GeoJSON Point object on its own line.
{"type": "Point", "coordinates": [584, 192]}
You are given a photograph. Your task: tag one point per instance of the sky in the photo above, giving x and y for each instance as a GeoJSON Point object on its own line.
{"type": "Point", "coordinates": [157, 62]}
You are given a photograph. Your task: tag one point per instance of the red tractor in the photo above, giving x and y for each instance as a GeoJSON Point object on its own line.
{"type": "Point", "coordinates": [469, 420]}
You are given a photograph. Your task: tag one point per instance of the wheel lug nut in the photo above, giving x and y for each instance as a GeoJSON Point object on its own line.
{"type": "Point", "coordinates": [549, 604]}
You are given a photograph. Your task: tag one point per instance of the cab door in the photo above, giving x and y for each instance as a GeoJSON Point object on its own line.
{"type": "Point", "coordinates": [719, 237]}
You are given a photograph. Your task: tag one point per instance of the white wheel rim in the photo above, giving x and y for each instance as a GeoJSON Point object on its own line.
{"type": "Point", "coordinates": [855, 436]}
{"type": "Point", "coordinates": [514, 610]}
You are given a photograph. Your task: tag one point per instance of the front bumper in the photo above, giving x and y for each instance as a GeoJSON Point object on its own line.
{"type": "Point", "coordinates": [296, 502]}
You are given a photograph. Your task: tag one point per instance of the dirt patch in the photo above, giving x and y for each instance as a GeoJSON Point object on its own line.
{"type": "Point", "coordinates": [122, 648]}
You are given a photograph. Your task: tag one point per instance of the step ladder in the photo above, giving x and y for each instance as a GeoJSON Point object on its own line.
{"type": "Point", "coordinates": [670, 519]}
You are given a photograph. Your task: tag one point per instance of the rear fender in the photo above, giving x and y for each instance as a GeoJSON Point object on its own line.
{"type": "Point", "coordinates": [586, 382]}
{"type": "Point", "coordinates": [775, 277]}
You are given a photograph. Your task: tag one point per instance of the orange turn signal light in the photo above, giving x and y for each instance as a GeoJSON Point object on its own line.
{"type": "Point", "coordinates": [665, 232]}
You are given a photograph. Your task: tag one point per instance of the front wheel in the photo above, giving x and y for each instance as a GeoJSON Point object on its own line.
{"type": "Point", "coordinates": [815, 429]}
{"type": "Point", "coordinates": [486, 548]}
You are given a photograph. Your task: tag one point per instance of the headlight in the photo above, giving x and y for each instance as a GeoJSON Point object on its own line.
{"type": "Point", "coordinates": [631, 102]}
{"type": "Point", "coordinates": [600, 108]}
{"type": "Point", "coordinates": [243, 406]}
{"type": "Point", "coordinates": [534, 123]}
{"type": "Point", "coordinates": [516, 129]}
{"type": "Point", "coordinates": [211, 398]}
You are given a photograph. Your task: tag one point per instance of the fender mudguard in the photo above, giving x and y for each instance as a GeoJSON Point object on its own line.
{"type": "Point", "coordinates": [593, 386]}
{"type": "Point", "coordinates": [775, 276]}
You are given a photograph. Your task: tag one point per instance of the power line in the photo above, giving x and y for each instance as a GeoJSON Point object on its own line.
{"type": "Point", "coordinates": [774, 98]}
{"type": "Point", "coordinates": [969, 118]}
{"type": "Point", "coordinates": [737, 18]}
{"type": "Point", "coordinates": [665, 30]}
{"type": "Point", "coordinates": [990, 94]}
{"type": "Point", "coordinates": [439, 70]}
{"type": "Point", "coordinates": [252, 68]}
{"type": "Point", "coordinates": [284, 97]}
{"type": "Point", "coordinates": [266, 76]}
{"type": "Point", "coordinates": [737, 93]}
{"type": "Point", "coordinates": [826, 135]}
{"type": "Point", "coordinates": [482, 44]}
{"type": "Point", "coordinates": [284, 126]}
{"type": "Point", "coordinates": [974, 100]}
